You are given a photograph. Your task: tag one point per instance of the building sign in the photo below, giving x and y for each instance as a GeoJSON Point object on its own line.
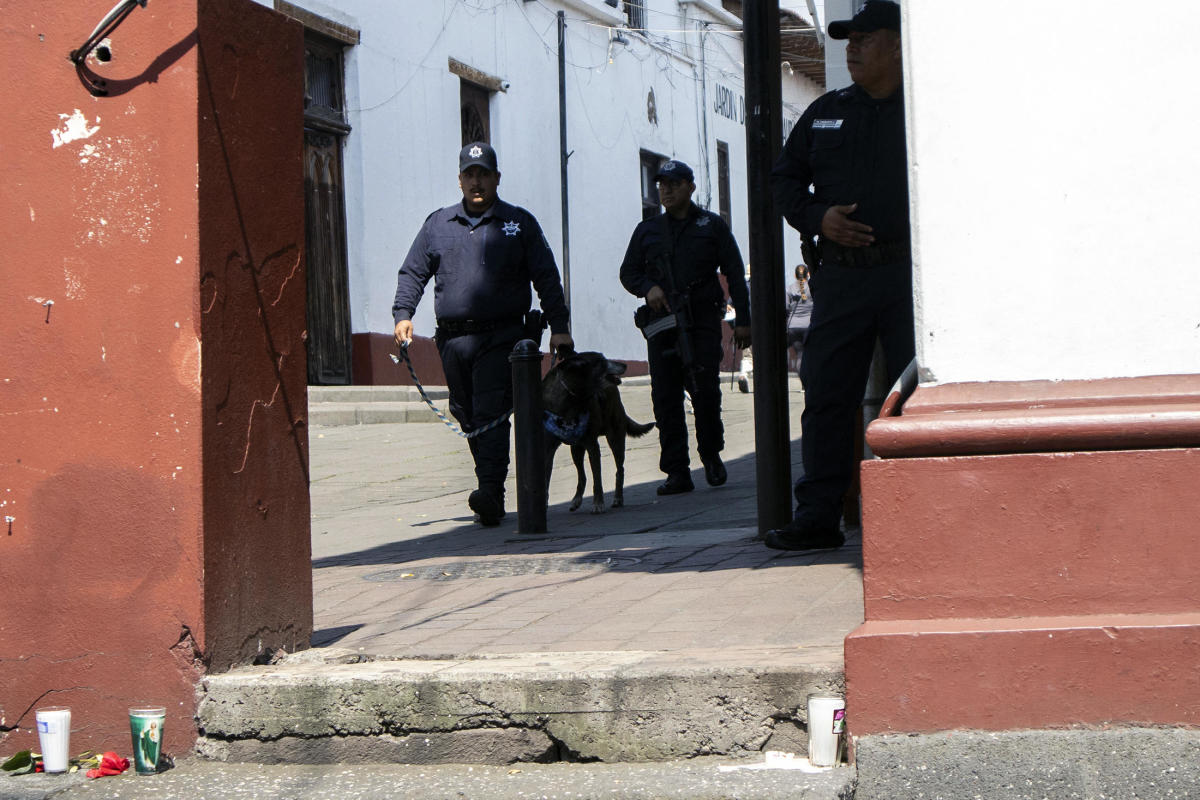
{"type": "Point", "coordinates": [730, 105]}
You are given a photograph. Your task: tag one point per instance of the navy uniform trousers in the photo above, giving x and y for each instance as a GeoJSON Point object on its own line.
{"type": "Point", "coordinates": [479, 380]}
{"type": "Point", "coordinates": [667, 383]}
{"type": "Point", "coordinates": [851, 307]}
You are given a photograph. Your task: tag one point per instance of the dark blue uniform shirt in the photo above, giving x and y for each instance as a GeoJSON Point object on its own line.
{"type": "Point", "coordinates": [850, 148]}
{"type": "Point", "coordinates": [482, 273]}
{"type": "Point", "coordinates": [696, 247]}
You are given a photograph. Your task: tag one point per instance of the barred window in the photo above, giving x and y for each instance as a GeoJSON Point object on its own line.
{"type": "Point", "coordinates": [635, 12]}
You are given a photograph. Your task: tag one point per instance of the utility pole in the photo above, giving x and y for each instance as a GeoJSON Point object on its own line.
{"type": "Point", "coordinates": [563, 155]}
{"type": "Point", "coordinates": [764, 137]}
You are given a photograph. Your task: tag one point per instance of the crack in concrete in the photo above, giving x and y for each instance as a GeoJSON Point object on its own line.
{"type": "Point", "coordinates": [250, 424]}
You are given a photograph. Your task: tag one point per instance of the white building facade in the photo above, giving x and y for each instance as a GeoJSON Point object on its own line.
{"type": "Point", "coordinates": [641, 82]}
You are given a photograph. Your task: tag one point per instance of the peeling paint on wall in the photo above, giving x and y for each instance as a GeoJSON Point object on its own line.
{"type": "Point", "coordinates": [119, 195]}
{"type": "Point", "coordinates": [74, 284]}
{"type": "Point", "coordinates": [73, 126]}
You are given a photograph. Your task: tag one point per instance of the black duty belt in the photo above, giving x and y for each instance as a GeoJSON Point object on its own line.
{"type": "Point", "coordinates": [458, 327]}
{"type": "Point", "coordinates": [871, 256]}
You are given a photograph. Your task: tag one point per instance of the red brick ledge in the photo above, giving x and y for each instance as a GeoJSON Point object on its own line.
{"type": "Point", "coordinates": [1041, 416]}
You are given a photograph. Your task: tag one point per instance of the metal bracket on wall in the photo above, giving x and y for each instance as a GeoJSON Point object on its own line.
{"type": "Point", "coordinates": [107, 25]}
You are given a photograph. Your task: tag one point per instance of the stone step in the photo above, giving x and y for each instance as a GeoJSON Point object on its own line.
{"type": "Point", "coordinates": [626, 706]}
{"type": "Point", "coordinates": [338, 413]}
{"type": "Point", "coordinates": [372, 394]}
{"type": "Point", "coordinates": [363, 405]}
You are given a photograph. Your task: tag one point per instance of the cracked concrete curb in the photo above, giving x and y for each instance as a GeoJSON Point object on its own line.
{"type": "Point", "coordinates": [612, 706]}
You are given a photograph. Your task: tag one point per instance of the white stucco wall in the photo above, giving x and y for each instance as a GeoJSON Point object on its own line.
{"type": "Point", "coordinates": [403, 108]}
{"type": "Point", "coordinates": [1053, 172]}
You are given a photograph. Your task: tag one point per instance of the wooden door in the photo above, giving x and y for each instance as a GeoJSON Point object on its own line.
{"type": "Point", "coordinates": [328, 295]}
{"type": "Point", "coordinates": [325, 131]}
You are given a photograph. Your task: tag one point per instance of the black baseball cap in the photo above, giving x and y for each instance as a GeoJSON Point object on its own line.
{"type": "Point", "coordinates": [873, 16]}
{"type": "Point", "coordinates": [477, 154]}
{"type": "Point", "coordinates": [676, 170]}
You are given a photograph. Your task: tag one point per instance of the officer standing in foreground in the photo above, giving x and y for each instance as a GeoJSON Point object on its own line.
{"type": "Point", "coordinates": [672, 261]}
{"type": "Point", "coordinates": [482, 253]}
{"type": "Point", "coordinates": [849, 147]}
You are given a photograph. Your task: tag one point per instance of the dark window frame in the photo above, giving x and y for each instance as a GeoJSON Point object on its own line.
{"type": "Point", "coordinates": [724, 191]}
{"type": "Point", "coordinates": [474, 100]}
{"type": "Point", "coordinates": [649, 163]}
{"type": "Point", "coordinates": [325, 105]}
{"type": "Point", "coordinates": [635, 14]}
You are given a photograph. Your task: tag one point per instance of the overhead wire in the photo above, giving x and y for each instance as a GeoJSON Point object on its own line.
{"type": "Point", "coordinates": [420, 64]}
{"type": "Point", "coordinates": [651, 42]}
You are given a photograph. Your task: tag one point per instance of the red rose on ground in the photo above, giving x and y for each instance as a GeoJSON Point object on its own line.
{"type": "Point", "coordinates": [110, 764]}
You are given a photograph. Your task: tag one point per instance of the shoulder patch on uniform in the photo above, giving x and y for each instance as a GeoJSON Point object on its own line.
{"type": "Point", "coordinates": [700, 223]}
{"type": "Point", "coordinates": [826, 124]}
{"type": "Point", "coordinates": [512, 228]}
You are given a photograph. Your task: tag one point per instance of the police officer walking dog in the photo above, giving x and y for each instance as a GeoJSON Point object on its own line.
{"type": "Point", "coordinates": [483, 254]}
{"type": "Point", "coordinates": [849, 147]}
{"type": "Point", "coordinates": [672, 261]}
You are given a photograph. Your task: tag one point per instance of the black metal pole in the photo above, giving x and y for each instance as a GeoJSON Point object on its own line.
{"type": "Point", "coordinates": [563, 155]}
{"type": "Point", "coordinates": [764, 138]}
{"type": "Point", "coordinates": [528, 431]}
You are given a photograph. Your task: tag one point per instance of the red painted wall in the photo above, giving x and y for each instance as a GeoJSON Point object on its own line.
{"type": "Point", "coordinates": [151, 384]}
{"type": "Point", "coordinates": [257, 567]}
{"type": "Point", "coordinates": [1009, 584]}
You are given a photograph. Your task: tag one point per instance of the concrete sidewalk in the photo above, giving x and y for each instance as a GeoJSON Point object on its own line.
{"type": "Point", "coordinates": [401, 570]}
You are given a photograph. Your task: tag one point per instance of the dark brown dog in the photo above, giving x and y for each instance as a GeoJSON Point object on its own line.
{"type": "Point", "coordinates": [583, 403]}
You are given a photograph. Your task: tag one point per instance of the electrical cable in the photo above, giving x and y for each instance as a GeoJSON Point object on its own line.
{"type": "Point", "coordinates": [420, 66]}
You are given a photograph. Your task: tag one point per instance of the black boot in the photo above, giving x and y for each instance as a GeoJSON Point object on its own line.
{"type": "Point", "coordinates": [714, 471]}
{"type": "Point", "coordinates": [797, 535]}
{"type": "Point", "coordinates": [676, 483]}
{"type": "Point", "coordinates": [488, 506]}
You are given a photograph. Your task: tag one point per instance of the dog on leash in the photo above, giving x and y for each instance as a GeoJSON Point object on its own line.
{"type": "Point", "coordinates": [582, 403]}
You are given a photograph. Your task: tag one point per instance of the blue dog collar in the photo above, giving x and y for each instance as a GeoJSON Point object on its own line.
{"type": "Point", "coordinates": [559, 428]}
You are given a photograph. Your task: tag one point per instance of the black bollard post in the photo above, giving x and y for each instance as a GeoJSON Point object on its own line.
{"type": "Point", "coordinates": [526, 362]}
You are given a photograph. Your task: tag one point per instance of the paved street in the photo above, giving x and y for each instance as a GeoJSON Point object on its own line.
{"type": "Point", "coordinates": [697, 779]}
{"type": "Point", "coordinates": [400, 568]}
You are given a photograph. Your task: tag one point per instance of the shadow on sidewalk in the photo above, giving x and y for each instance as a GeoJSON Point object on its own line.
{"type": "Point", "coordinates": [401, 570]}
{"type": "Point", "coordinates": [652, 533]}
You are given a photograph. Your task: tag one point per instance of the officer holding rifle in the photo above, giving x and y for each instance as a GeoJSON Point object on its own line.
{"type": "Point", "coordinates": [672, 261]}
